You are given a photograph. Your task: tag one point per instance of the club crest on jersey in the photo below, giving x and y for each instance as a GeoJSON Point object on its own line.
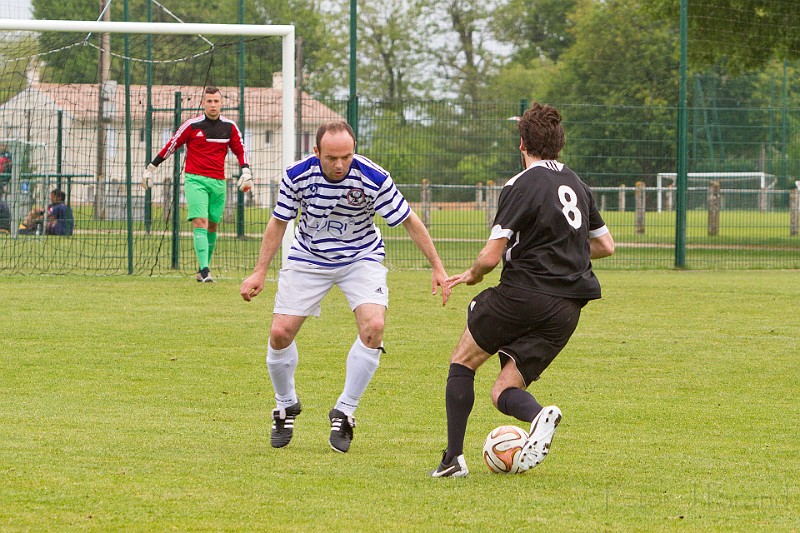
{"type": "Point", "coordinates": [356, 197]}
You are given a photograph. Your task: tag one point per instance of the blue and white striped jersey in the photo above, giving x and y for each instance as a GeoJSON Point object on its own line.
{"type": "Point", "coordinates": [336, 226]}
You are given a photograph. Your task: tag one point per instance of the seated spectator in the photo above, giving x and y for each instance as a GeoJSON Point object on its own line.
{"type": "Point", "coordinates": [5, 161]}
{"type": "Point", "coordinates": [32, 223]}
{"type": "Point", "coordinates": [59, 215]}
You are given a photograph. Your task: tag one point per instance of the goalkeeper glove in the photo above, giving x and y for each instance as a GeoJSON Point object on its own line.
{"type": "Point", "coordinates": [245, 182]}
{"type": "Point", "coordinates": [147, 176]}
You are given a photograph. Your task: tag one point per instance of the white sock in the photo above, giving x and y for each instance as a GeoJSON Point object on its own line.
{"type": "Point", "coordinates": [281, 365]}
{"type": "Point", "coordinates": [362, 362]}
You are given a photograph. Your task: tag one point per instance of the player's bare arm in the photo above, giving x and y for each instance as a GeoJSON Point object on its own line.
{"type": "Point", "coordinates": [422, 240]}
{"type": "Point", "coordinates": [270, 243]}
{"type": "Point", "coordinates": [487, 260]}
{"type": "Point", "coordinates": [602, 246]}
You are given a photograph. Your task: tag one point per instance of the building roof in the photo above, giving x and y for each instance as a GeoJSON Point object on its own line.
{"type": "Point", "coordinates": [262, 104]}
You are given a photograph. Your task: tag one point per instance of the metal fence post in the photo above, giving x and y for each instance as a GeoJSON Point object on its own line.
{"type": "Point", "coordinates": [425, 198]}
{"type": "Point", "coordinates": [640, 199]}
{"type": "Point", "coordinates": [714, 205]}
{"type": "Point", "coordinates": [670, 201]}
{"type": "Point", "coordinates": [492, 195]}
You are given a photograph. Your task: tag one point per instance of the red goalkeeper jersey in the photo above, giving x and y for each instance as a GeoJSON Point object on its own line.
{"type": "Point", "coordinates": [207, 142]}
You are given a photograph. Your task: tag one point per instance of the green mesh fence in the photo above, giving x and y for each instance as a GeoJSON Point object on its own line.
{"type": "Point", "coordinates": [449, 158]}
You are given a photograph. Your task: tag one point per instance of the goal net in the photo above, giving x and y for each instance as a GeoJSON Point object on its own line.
{"type": "Point", "coordinates": [84, 106]}
{"type": "Point", "coordinates": [744, 190]}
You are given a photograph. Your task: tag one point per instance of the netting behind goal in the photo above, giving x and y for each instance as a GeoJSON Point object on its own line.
{"type": "Point", "coordinates": [85, 112]}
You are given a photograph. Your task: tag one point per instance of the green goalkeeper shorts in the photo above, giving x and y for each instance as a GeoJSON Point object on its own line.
{"type": "Point", "coordinates": [205, 197]}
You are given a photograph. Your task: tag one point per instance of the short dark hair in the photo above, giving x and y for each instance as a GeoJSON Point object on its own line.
{"type": "Point", "coordinates": [212, 89]}
{"type": "Point", "coordinates": [59, 194]}
{"type": "Point", "coordinates": [541, 131]}
{"type": "Point", "coordinates": [334, 127]}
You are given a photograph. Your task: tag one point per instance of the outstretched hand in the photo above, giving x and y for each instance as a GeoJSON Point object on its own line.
{"type": "Point", "coordinates": [439, 279]}
{"type": "Point", "coordinates": [467, 277]}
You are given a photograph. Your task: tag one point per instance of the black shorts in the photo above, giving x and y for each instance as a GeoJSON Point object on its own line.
{"type": "Point", "coordinates": [528, 327]}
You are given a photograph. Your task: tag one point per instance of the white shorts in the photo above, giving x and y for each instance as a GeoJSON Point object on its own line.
{"type": "Point", "coordinates": [301, 286]}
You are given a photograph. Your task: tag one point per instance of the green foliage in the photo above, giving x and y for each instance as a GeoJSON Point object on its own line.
{"type": "Point", "coordinates": [462, 53]}
{"type": "Point", "coordinates": [124, 408]}
{"type": "Point", "coordinates": [538, 29]}
{"type": "Point", "coordinates": [749, 33]}
{"type": "Point", "coordinates": [623, 59]}
{"type": "Point", "coordinates": [390, 47]}
{"type": "Point", "coordinates": [516, 81]}
{"type": "Point", "coordinates": [445, 143]}
{"type": "Point", "coordinates": [216, 63]}
{"type": "Point", "coordinates": [15, 59]}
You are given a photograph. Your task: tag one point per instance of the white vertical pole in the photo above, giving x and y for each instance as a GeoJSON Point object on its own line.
{"type": "Point", "coordinates": [658, 188]}
{"type": "Point", "coordinates": [287, 129]}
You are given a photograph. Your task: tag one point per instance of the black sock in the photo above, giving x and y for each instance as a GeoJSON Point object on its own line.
{"type": "Point", "coordinates": [518, 403]}
{"type": "Point", "coordinates": [459, 398]}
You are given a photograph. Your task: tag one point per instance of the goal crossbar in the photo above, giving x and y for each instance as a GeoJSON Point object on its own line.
{"type": "Point", "coordinates": [172, 28]}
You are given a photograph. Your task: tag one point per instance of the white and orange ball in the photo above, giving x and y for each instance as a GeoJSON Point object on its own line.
{"type": "Point", "coordinates": [502, 449]}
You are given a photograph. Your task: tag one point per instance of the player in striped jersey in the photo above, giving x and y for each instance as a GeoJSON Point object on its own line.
{"type": "Point", "coordinates": [547, 230]}
{"type": "Point", "coordinates": [337, 194]}
{"type": "Point", "coordinates": [207, 138]}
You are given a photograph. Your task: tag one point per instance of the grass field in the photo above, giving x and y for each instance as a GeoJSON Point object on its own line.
{"type": "Point", "coordinates": [141, 404]}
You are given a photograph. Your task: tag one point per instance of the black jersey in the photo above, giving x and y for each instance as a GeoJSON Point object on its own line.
{"type": "Point", "coordinates": [548, 215]}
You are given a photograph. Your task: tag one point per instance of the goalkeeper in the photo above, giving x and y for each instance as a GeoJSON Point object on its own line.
{"type": "Point", "coordinates": [207, 138]}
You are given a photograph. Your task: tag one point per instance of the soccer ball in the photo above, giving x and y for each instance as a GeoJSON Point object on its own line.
{"type": "Point", "coordinates": [502, 449]}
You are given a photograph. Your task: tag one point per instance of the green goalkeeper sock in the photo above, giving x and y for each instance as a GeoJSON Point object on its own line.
{"type": "Point", "coordinates": [201, 246]}
{"type": "Point", "coordinates": [212, 242]}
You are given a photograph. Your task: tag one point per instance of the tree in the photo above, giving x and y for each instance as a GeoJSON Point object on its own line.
{"type": "Point", "coordinates": [460, 43]}
{"type": "Point", "coordinates": [536, 29]}
{"type": "Point", "coordinates": [16, 57]}
{"type": "Point", "coordinates": [391, 47]}
{"type": "Point", "coordinates": [748, 32]}
{"type": "Point", "coordinates": [617, 88]}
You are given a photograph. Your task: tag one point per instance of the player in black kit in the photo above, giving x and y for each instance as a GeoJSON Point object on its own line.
{"type": "Point", "coordinates": [546, 230]}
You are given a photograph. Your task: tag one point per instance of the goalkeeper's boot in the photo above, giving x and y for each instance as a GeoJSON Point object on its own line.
{"type": "Point", "coordinates": [341, 430]}
{"type": "Point", "coordinates": [204, 276]}
{"type": "Point", "coordinates": [537, 446]}
{"type": "Point", "coordinates": [457, 467]}
{"type": "Point", "coordinates": [283, 425]}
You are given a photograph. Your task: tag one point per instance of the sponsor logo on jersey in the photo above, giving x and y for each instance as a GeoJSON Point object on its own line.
{"type": "Point", "coordinates": [334, 227]}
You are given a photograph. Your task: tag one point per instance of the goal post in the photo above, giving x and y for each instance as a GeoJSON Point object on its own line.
{"type": "Point", "coordinates": [285, 32]}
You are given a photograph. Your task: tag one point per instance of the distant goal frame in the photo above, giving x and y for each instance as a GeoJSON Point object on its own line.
{"type": "Point", "coordinates": [661, 176]}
